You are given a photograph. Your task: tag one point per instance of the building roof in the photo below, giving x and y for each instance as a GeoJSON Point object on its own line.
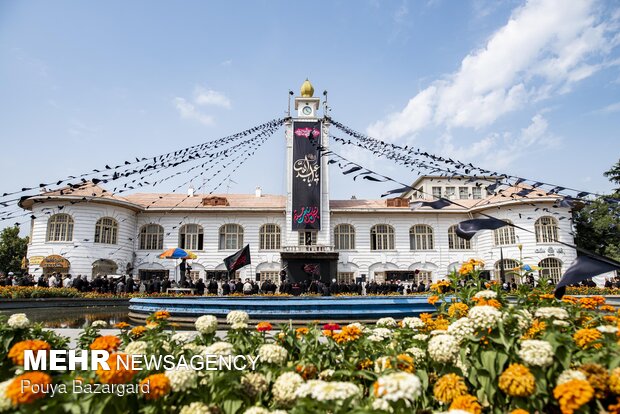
{"type": "Point", "coordinates": [266, 202]}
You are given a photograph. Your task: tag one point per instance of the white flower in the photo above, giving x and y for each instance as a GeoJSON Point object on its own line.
{"type": "Point", "coordinates": [418, 353]}
{"type": "Point", "coordinates": [237, 317]}
{"type": "Point", "coordinates": [326, 374]}
{"type": "Point", "coordinates": [5, 402]}
{"type": "Point", "coordinates": [182, 379]}
{"type": "Point", "coordinates": [99, 324]}
{"type": "Point", "coordinates": [18, 321]}
{"type": "Point", "coordinates": [382, 363]}
{"type": "Point", "coordinates": [195, 408]}
{"type": "Point", "coordinates": [558, 322]}
{"type": "Point", "coordinates": [272, 354]}
{"type": "Point", "coordinates": [285, 388]}
{"type": "Point", "coordinates": [524, 319]}
{"type": "Point", "coordinates": [571, 374]}
{"type": "Point", "coordinates": [328, 391]}
{"type": "Point", "coordinates": [386, 322]}
{"type": "Point", "coordinates": [461, 329]}
{"type": "Point", "coordinates": [551, 312]}
{"type": "Point", "coordinates": [413, 323]}
{"type": "Point", "coordinates": [608, 329]}
{"type": "Point", "coordinates": [486, 294]}
{"type": "Point", "coordinates": [136, 348]}
{"type": "Point", "coordinates": [182, 337]}
{"type": "Point", "coordinates": [484, 317]}
{"type": "Point", "coordinates": [381, 405]}
{"type": "Point", "coordinates": [536, 353]}
{"type": "Point", "coordinates": [420, 337]}
{"type": "Point", "coordinates": [195, 349]}
{"type": "Point", "coordinates": [220, 348]}
{"type": "Point", "coordinates": [443, 348]}
{"type": "Point", "coordinates": [238, 325]}
{"type": "Point", "coordinates": [262, 410]}
{"type": "Point", "coordinates": [358, 326]}
{"type": "Point", "coordinates": [254, 383]}
{"type": "Point", "coordinates": [206, 324]}
{"type": "Point", "coordinates": [398, 386]}
{"type": "Point", "coordinates": [379, 334]}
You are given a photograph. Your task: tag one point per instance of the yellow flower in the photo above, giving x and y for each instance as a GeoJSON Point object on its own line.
{"type": "Point", "coordinates": [537, 327]}
{"type": "Point", "coordinates": [16, 353]}
{"type": "Point", "coordinates": [448, 387]}
{"type": "Point", "coordinates": [299, 332]}
{"type": "Point", "coordinates": [467, 403]}
{"type": "Point", "coordinates": [572, 395]}
{"type": "Point", "coordinates": [517, 381]}
{"type": "Point", "coordinates": [122, 325]}
{"type": "Point", "coordinates": [20, 390]}
{"type": "Point", "coordinates": [586, 338]}
{"type": "Point", "coordinates": [597, 376]}
{"type": "Point", "coordinates": [433, 299]}
{"type": "Point", "coordinates": [137, 332]}
{"type": "Point", "coordinates": [519, 411]}
{"type": "Point", "coordinates": [364, 364]}
{"type": "Point", "coordinates": [405, 363]}
{"type": "Point", "coordinates": [108, 343]}
{"type": "Point", "coordinates": [162, 314]}
{"type": "Point", "coordinates": [458, 310]}
{"type": "Point", "coordinates": [159, 386]}
{"type": "Point", "coordinates": [347, 334]}
{"type": "Point", "coordinates": [614, 381]}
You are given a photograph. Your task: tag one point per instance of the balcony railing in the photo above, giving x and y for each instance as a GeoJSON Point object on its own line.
{"type": "Point", "coordinates": [304, 249]}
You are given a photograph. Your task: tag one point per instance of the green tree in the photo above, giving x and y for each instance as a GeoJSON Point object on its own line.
{"type": "Point", "coordinates": [598, 223]}
{"type": "Point", "coordinates": [12, 250]}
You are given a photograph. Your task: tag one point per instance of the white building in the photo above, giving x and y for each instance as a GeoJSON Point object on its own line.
{"type": "Point", "coordinates": [88, 231]}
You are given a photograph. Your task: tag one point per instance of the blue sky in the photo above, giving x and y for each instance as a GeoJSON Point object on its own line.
{"type": "Point", "coordinates": [530, 88]}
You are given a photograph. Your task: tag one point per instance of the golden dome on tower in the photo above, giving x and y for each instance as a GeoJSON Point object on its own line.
{"type": "Point", "coordinates": [307, 90]}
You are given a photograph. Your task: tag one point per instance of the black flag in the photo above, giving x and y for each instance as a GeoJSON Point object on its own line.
{"type": "Point", "coordinates": [467, 229]}
{"type": "Point", "coordinates": [437, 204]}
{"type": "Point", "coordinates": [584, 267]}
{"type": "Point", "coordinates": [238, 260]}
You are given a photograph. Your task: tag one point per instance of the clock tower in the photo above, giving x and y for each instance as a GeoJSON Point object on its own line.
{"type": "Point", "coordinates": [307, 246]}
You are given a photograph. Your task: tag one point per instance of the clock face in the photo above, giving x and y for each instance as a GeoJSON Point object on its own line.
{"type": "Point", "coordinates": [306, 110]}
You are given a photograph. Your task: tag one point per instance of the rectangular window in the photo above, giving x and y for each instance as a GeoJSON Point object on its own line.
{"type": "Point", "coordinates": [476, 193]}
{"type": "Point", "coordinates": [450, 192]}
{"type": "Point", "coordinates": [346, 277]}
{"type": "Point", "coordinates": [437, 192]}
{"type": "Point", "coordinates": [272, 276]}
{"type": "Point", "coordinates": [307, 238]}
{"type": "Point", "coordinates": [463, 193]}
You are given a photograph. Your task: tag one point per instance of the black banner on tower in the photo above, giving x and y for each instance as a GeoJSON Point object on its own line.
{"type": "Point", "coordinates": [306, 175]}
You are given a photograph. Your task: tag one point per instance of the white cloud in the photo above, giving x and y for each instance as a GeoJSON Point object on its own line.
{"type": "Point", "coordinates": [500, 150]}
{"type": "Point", "coordinates": [204, 96]}
{"type": "Point", "coordinates": [544, 48]}
{"type": "Point", "coordinates": [611, 108]}
{"type": "Point", "coordinates": [188, 111]}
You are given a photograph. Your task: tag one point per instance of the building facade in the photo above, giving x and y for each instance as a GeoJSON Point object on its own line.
{"type": "Point", "coordinates": [89, 231]}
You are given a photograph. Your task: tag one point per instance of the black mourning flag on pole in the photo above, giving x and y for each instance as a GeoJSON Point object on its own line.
{"type": "Point", "coordinates": [238, 260]}
{"type": "Point", "coordinates": [584, 267]}
{"type": "Point", "coordinates": [467, 229]}
{"type": "Point", "coordinates": [436, 205]}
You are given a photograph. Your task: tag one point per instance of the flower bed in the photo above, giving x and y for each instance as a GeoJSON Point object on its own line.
{"type": "Point", "coordinates": [475, 354]}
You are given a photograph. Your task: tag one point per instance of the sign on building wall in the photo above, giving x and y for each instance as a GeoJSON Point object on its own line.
{"type": "Point", "coordinates": [306, 176]}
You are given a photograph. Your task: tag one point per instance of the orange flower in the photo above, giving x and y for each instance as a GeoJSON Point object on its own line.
{"type": "Point", "coordinates": [607, 308]}
{"type": "Point", "coordinates": [587, 338]}
{"type": "Point", "coordinates": [433, 299]}
{"type": "Point", "coordinates": [517, 381]}
{"type": "Point", "coordinates": [458, 310]}
{"type": "Point", "coordinates": [307, 371]}
{"type": "Point", "coordinates": [16, 353]}
{"type": "Point", "coordinates": [347, 334]}
{"type": "Point", "coordinates": [159, 386]}
{"type": "Point", "coordinates": [537, 327]}
{"type": "Point", "coordinates": [117, 374]}
{"type": "Point", "coordinates": [448, 387]}
{"type": "Point", "coordinates": [122, 325]}
{"type": "Point", "coordinates": [519, 411]}
{"type": "Point", "coordinates": [299, 332]}
{"type": "Point", "coordinates": [20, 390]}
{"type": "Point", "coordinates": [542, 297]}
{"type": "Point", "coordinates": [467, 403]}
{"type": "Point", "coordinates": [572, 395]}
{"type": "Point", "coordinates": [161, 315]}
{"type": "Point", "coordinates": [364, 364]}
{"type": "Point", "coordinates": [108, 343]}
{"type": "Point", "coordinates": [138, 331]}
{"type": "Point", "coordinates": [405, 363]}
{"type": "Point", "coordinates": [263, 327]}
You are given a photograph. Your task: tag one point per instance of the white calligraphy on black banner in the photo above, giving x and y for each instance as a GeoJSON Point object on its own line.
{"type": "Point", "coordinates": [306, 176]}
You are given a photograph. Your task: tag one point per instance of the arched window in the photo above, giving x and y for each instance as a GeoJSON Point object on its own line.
{"type": "Point", "coordinates": [382, 237]}
{"type": "Point", "coordinates": [505, 235]}
{"type": "Point", "coordinates": [191, 237]}
{"type": "Point", "coordinates": [106, 231]}
{"type": "Point", "coordinates": [455, 242]}
{"type": "Point", "coordinates": [551, 268]}
{"type": "Point", "coordinates": [231, 237]}
{"type": "Point", "coordinates": [344, 237]}
{"type": "Point", "coordinates": [60, 228]}
{"type": "Point", "coordinates": [269, 235]}
{"type": "Point", "coordinates": [151, 237]}
{"type": "Point", "coordinates": [546, 230]}
{"type": "Point", "coordinates": [421, 237]}
{"type": "Point", "coordinates": [510, 274]}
